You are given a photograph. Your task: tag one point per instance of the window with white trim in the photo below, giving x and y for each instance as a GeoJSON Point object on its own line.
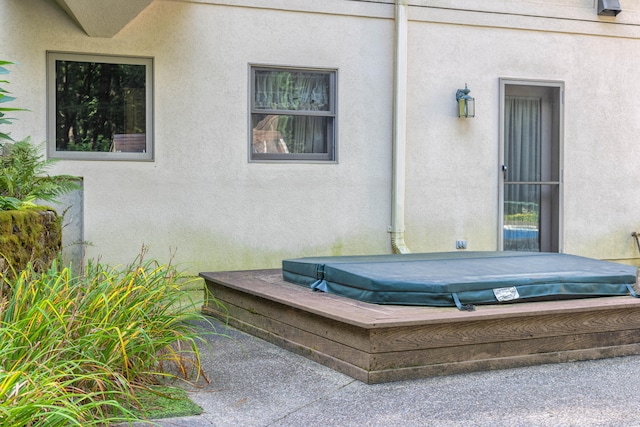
{"type": "Point", "coordinates": [293, 114]}
{"type": "Point", "coordinates": [99, 107]}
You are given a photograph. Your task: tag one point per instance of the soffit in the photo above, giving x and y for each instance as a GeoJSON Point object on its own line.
{"type": "Point", "coordinates": [103, 18]}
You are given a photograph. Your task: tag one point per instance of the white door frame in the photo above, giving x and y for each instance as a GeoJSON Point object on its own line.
{"type": "Point", "coordinates": [504, 82]}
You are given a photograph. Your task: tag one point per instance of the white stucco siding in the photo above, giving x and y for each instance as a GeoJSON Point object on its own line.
{"type": "Point", "coordinates": [250, 215]}
{"type": "Point", "coordinates": [453, 163]}
{"type": "Point", "coordinates": [452, 184]}
{"type": "Point", "coordinates": [202, 197]}
{"type": "Point", "coordinates": [602, 172]}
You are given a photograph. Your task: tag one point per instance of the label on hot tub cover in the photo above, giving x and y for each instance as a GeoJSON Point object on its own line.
{"type": "Point", "coordinates": [506, 294]}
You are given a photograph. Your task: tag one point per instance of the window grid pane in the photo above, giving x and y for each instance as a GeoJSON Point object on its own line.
{"type": "Point", "coordinates": [289, 134]}
{"type": "Point", "coordinates": [292, 90]}
{"type": "Point", "coordinates": [292, 114]}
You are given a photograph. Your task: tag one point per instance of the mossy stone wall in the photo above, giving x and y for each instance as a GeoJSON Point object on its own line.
{"type": "Point", "coordinates": [29, 236]}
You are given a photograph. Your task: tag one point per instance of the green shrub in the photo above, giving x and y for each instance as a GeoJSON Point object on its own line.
{"type": "Point", "coordinates": [23, 166]}
{"type": "Point", "coordinates": [24, 178]}
{"type": "Point", "coordinates": [74, 350]}
{"type": "Point", "coordinates": [4, 97]}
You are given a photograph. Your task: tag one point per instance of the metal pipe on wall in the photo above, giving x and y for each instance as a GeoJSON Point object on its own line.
{"type": "Point", "coordinates": [397, 228]}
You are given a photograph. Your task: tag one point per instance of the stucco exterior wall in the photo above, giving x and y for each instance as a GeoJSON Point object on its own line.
{"type": "Point", "coordinates": [201, 196]}
{"type": "Point", "coordinates": [452, 189]}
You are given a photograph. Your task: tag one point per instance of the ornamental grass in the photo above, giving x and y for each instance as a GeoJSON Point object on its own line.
{"type": "Point", "coordinates": [75, 349]}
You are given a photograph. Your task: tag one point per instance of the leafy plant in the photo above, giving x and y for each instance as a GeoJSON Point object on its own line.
{"type": "Point", "coordinates": [9, 203]}
{"type": "Point", "coordinates": [23, 167]}
{"type": "Point", "coordinates": [4, 97]}
{"type": "Point", "coordinates": [23, 176]}
{"type": "Point", "coordinates": [76, 350]}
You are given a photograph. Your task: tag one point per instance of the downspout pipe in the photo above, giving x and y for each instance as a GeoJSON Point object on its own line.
{"type": "Point", "coordinates": [397, 228]}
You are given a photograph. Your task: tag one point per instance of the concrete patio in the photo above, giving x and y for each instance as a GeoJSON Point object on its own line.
{"type": "Point", "coordinates": [255, 383]}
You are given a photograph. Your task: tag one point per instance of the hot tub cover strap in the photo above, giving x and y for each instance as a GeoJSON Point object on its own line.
{"type": "Point", "coordinates": [462, 307]}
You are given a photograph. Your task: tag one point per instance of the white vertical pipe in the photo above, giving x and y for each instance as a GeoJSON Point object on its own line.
{"type": "Point", "coordinates": [397, 228]}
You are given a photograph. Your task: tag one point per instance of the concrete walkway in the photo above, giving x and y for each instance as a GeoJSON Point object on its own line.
{"type": "Point", "coordinates": [254, 383]}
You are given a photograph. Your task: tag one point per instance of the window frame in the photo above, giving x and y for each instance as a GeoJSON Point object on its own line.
{"type": "Point", "coordinates": [53, 152]}
{"type": "Point", "coordinates": [331, 156]}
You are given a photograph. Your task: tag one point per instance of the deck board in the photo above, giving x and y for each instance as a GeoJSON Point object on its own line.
{"type": "Point", "coordinates": [379, 343]}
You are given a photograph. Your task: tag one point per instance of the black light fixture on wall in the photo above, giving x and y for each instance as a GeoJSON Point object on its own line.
{"type": "Point", "coordinates": [466, 104]}
{"type": "Point", "coordinates": [609, 7]}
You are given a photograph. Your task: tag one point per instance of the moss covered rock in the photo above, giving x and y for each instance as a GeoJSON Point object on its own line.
{"type": "Point", "coordinates": [29, 236]}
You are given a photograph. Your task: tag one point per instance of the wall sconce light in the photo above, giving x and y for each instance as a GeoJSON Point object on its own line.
{"type": "Point", "coordinates": [609, 7]}
{"type": "Point", "coordinates": [466, 104]}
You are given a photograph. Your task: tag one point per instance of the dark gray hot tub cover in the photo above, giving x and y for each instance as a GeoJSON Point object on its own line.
{"type": "Point", "coordinates": [461, 278]}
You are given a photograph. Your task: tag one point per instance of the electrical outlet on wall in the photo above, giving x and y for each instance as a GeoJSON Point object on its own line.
{"type": "Point", "coordinates": [461, 244]}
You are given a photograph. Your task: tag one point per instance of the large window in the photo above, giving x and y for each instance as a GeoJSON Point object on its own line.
{"type": "Point", "coordinates": [99, 107]}
{"type": "Point", "coordinates": [293, 114]}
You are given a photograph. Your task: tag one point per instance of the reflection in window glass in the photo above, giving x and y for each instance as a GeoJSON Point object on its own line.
{"type": "Point", "coordinates": [292, 114]}
{"type": "Point", "coordinates": [100, 105]}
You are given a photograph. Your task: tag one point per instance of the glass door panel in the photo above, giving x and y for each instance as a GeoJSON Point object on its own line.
{"type": "Point", "coordinates": [531, 169]}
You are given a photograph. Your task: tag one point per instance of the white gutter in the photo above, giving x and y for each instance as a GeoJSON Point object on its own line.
{"type": "Point", "coordinates": [399, 130]}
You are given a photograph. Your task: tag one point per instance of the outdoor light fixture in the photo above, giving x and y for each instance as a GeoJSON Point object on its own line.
{"type": "Point", "coordinates": [609, 7]}
{"type": "Point", "coordinates": [466, 104]}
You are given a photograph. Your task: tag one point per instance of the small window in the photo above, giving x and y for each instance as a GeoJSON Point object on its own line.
{"type": "Point", "coordinates": [293, 114]}
{"type": "Point", "coordinates": [99, 107]}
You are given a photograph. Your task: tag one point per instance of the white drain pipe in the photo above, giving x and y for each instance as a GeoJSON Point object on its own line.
{"type": "Point", "coordinates": [399, 130]}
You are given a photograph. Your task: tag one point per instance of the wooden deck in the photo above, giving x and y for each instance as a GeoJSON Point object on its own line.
{"type": "Point", "coordinates": [382, 343]}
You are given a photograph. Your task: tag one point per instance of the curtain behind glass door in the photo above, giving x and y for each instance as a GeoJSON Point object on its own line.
{"type": "Point", "coordinates": [523, 144]}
